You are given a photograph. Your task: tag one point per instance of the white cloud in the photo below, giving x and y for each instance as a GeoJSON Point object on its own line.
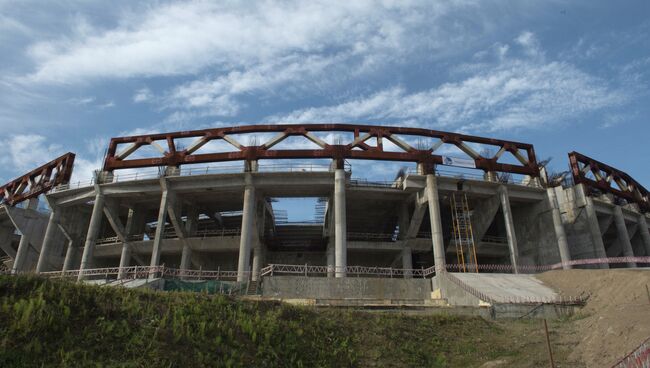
{"type": "Point", "coordinates": [25, 152]}
{"type": "Point", "coordinates": [511, 93]}
{"type": "Point", "coordinates": [142, 95]}
{"type": "Point", "coordinates": [264, 48]}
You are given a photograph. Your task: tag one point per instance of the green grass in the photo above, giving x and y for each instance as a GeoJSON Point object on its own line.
{"type": "Point", "coordinates": [47, 323]}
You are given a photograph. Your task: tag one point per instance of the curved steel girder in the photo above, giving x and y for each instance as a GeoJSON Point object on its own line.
{"type": "Point", "coordinates": [38, 181]}
{"type": "Point", "coordinates": [628, 188]}
{"type": "Point", "coordinates": [356, 149]}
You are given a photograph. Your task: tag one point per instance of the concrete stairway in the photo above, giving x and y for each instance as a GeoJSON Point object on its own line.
{"type": "Point", "coordinates": [252, 288]}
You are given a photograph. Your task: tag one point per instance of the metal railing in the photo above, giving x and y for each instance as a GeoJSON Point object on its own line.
{"type": "Point", "coordinates": [171, 234]}
{"type": "Point", "coordinates": [639, 358]}
{"type": "Point", "coordinates": [142, 272]}
{"type": "Point", "coordinates": [350, 271]}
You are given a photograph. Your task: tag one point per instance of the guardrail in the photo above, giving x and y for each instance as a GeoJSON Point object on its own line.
{"type": "Point", "coordinates": [307, 270]}
{"type": "Point", "coordinates": [639, 358]}
{"type": "Point", "coordinates": [135, 272]}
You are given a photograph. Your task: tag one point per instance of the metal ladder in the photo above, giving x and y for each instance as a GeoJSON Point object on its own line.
{"type": "Point", "coordinates": [463, 233]}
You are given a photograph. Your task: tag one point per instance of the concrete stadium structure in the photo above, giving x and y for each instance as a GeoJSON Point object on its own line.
{"type": "Point", "coordinates": [222, 218]}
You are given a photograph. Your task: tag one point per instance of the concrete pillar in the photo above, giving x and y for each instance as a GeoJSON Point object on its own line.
{"type": "Point", "coordinates": [594, 229]}
{"type": "Point", "coordinates": [331, 262]}
{"type": "Point", "coordinates": [258, 261]}
{"type": "Point", "coordinates": [70, 254]}
{"type": "Point", "coordinates": [160, 232]}
{"type": "Point", "coordinates": [436, 224]}
{"type": "Point", "coordinates": [247, 229]}
{"type": "Point", "coordinates": [91, 236]}
{"type": "Point", "coordinates": [21, 254]}
{"type": "Point", "coordinates": [23, 245]}
{"type": "Point", "coordinates": [125, 257]}
{"type": "Point", "coordinates": [407, 262]}
{"type": "Point", "coordinates": [48, 239]}
{"type": "Point", "coordinates": [623, 235]}
{"type": "Point", "coordinates": [645, 233]}
{"type": "Point", "coordinates": [340, 224]}
{"type": "Point", "coordinates": [560, 233]}
{"type": "Point", "coordinates": [510, 228]}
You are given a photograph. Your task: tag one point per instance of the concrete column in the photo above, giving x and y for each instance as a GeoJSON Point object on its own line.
{"type": "Point", "coordinates": [247, 229]}
{"type": "Point", "coordinates": [510, 228]}
{"type": "Point", "coordinates": [407, 262]}
{"type": "Point", "coordinates": [52, 226]}
{"type": "Point", "coordinates": [70, 254]}
{"type": "Point", "coordinates": [594, 229]}
{"type": "Point", "coordinates": [91, 236]}
{"type": "Point", "coordinates": [21, 254]}
{"type": "Point", "coordinates": [560, 233]}
{"type": "Point", "coordinates": [258, 260]}
{"type": "Point", "coordinates": [186, 257]}
{"type": "Point", "coordinates": [436, 224]}
{"type": "Point", "coordinates": [23, 245]}
{"type": "Point", "coordinates": [623, 235]}
{"type": "Point", "coordinates": [645, 233]}
{"type": "Point", "coordinates": [125, 257]}
{"type": "Point", "coordinates": [160, 232]}
{"type": "Point", "coordinates": [340, 224]}
{"type": "Point", "coordinates": [331, 262]}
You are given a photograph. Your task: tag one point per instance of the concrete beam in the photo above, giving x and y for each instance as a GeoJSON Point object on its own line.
{"type": "Point", "coordinates": [594, 229]}
{"type": "Point", "coordinates": [160, 229]}
{"type": "Point", "coordinates": [436, 224]}
{"type": "Point", "coordinates": [247, 229]}
{"type": "Point", "coordinates": [91, 235]}
{"type": "Point", "coordinates": [510, 228]}
{"type": "Point", "coordinates": [623, 235]}
{"type": "Point", "coordinates": [558, 226]}
{"type": "Point", "coordinates": [340, 223]}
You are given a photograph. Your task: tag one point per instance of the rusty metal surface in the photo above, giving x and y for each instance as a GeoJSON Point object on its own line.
{"type": "Point", "coordinates": [604, 178]}
{"type": "Point", "coordinates": [38, 181]}
{"type": "Point", "coordinates": [357, 148]}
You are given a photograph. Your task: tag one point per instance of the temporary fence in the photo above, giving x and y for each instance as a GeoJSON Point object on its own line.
{"type": "Point", "coordinates": [639, 358]}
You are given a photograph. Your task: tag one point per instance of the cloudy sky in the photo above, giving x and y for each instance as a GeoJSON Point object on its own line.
{"type": "Point", "coordinates": [563, 75]}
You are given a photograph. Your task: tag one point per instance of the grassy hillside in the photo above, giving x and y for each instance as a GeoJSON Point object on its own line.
{"type": "Point", "coordinates": [55, 323]}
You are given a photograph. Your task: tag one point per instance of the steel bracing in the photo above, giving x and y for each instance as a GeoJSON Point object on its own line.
{"type": "Point", "coordinates": [38, 181]}
{"type": "Point", "coordinates": [358, 147]}
{"type": "Point", "coordinates": [605, 178]}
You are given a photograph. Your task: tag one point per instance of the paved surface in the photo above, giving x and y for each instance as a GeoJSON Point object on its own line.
{"type": "Point", "coordinates": [507, 287]}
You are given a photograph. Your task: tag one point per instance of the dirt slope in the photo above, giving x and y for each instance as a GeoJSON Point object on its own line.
{"type": "Point", "coordinates": [616, 318]}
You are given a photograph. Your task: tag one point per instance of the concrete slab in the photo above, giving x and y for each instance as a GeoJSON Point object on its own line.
{"type": "Point", "coordinates": [507, 288]}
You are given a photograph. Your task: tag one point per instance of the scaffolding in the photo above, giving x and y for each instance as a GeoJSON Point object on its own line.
{"type": "Point", "coordinates": [463, 233]}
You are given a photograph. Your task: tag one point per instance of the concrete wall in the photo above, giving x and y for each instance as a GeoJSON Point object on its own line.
{"type": "Point", "coordinates": [299, 287]}
{"type": "Point", "coordinates": [536, 237]}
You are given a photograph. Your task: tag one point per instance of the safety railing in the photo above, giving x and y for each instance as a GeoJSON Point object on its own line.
{"type": "Point", "coordinates": [350, 271]}
{"type": "Point", "coordinates": [171, 234]}
{"type": "Point", "coordinates": [639, 358]}
{"type": "Point", "coordinates": [142, 272]}
{"type": "Point", "coordinates": [360, 182]}
{"type": "Point", "coordinates": [509, 179]}
{"type": "Point", "coordinates": [391, 237]}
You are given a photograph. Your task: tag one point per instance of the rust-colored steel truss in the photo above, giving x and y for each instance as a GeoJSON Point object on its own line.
{"type": "Point", "coordinates": [38, 181]}
{"type": "Point", "coordinates": [359, 147]}
{"type": "Point", "coordinates": [604, 178]}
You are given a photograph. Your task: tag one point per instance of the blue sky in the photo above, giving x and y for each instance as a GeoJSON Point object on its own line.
{"type": "Point", "coordinates": [563, 75]}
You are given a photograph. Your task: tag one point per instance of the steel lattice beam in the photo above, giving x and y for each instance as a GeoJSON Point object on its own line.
{"type": "Point", "coordinates": [603, 178]}
{"type": "Point", "coordinates": [38, 181]}
{"type": "Point", "coordinates": [357, 148]}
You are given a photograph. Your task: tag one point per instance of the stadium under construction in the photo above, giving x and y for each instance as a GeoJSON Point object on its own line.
{"type": "Point", "coordinates": [467, 220]}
